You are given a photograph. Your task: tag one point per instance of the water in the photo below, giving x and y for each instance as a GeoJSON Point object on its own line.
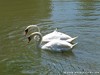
{"type": "Point", "coordinates": [74, 17]}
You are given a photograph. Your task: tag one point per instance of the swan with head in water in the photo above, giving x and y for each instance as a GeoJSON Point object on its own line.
{"type": "Point", "coordinates": [54, 45]}
{"type": "Point", "coordinates": [51, 36]}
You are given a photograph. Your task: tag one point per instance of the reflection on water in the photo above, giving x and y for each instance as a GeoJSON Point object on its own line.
{"type": "Point", "coordinates": [78, 17]}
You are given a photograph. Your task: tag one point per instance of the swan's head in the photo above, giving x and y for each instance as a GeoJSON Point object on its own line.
{"type": "Point", "coordinates": [29, 39]}
{"type": "Point", "coordinates": [30, 27]}
{"type": "Point", "coordinates": [32, 35]}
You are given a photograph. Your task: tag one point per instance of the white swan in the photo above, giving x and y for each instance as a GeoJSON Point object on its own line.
{"type": "Point", "coordinates": [54, 45]}
{"type": "Point", "coordinates": [51, 36]}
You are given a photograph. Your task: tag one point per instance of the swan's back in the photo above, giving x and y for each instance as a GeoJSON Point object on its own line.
{"type": "Point", "coordinates": [57, 45]}
{"type": "Point", "coordinates": [55, 35]}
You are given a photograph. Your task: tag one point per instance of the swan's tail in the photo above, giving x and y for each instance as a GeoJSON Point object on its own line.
{"type": "Point", "coordinates": [56, 29]}
{"type": "Point", "coordinates": [72, 39]}
{"type": "Point", "coordinates": [74, 45]}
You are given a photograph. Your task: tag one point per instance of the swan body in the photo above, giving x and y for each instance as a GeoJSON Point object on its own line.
{"type": "Point", "coordinates": [56, 35]}
{"type": "Point", "coordinates": [54, 45]}
{"type": "Point", "coordinates": [58, 45]}
{"type": "Point", "coordinates": [51, 36]}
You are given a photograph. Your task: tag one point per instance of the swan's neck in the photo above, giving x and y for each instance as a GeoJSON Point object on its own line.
{"type": "Point", "coordinates": [31, 27]}
{"type": "Point", "coordinates": [38, 29]}
{"type": "Point", "coordinates": [34, 27]}
{"type": "Point", "coordinates": [36, 34]}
